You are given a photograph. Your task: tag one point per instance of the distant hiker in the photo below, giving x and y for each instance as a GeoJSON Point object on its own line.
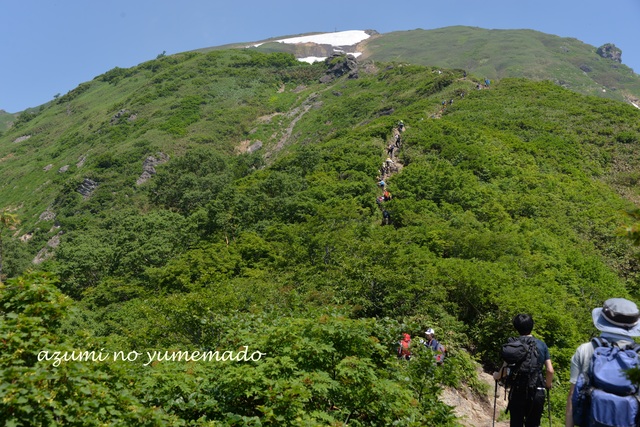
{"type": "Point", "coordinates": [524, 357]}
{"type": "Point", "coordinates": [386, 195]}
{"type": "Point", "coordinates": [379, 200]}
{"type": "Point", "coordinates": [381, 183]}
{"type": "Point", "coordinates": [390, 149]}
{"type": "Point", "coordinates": [450, 101]}
{"type": "Point", "coordinates": [464, 74]}
{"type": "Point", "coordinates": [597, 380]}
{"type": "Point", "coordinates": [487, 82]}
{"type": "Point", "coordinates": [384, 170]}
{"type": "Point", "coordinates": [401, 126]}
{"type": "Point", "coordinates": [396, 140]}
{"type": "Point", "coordinates": [404, 345]}
{"type": "Point", "coordinates": [386, 217]}
{"type": "Point", "coordinates": [389, 162]}
{"type": "Point", "coordinates": [433, 344]}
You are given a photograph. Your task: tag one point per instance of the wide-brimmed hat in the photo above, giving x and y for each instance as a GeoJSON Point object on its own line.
{"type": "Point", "coordinates": [618, 316]}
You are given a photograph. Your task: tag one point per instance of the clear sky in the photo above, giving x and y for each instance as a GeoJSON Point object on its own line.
{"type": "Point", "coordinates": [49, 47]}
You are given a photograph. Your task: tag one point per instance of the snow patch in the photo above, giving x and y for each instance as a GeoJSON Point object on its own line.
{"type": "Point", "coordinates": [312, 59]}
{"type": "Point", "coordinates": [339, 38]}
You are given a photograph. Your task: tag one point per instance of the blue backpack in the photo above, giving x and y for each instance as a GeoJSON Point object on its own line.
{"type": "Point", "coordinates": [605, 397]}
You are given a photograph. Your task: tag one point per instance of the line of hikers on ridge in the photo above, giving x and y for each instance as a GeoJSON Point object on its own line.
{"type": "Point", "coordinates": [388, 168]}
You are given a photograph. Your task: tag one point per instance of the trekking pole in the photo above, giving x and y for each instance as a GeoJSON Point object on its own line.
{"type": "Point", "coordinates": [495, 399]}
{"type": "Point", "coordinates": [549, 404]}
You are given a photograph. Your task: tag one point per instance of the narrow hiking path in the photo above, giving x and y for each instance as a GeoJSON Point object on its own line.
{"type": "Point", "coordinates": [477, 410]}
{"type": "Point", "coordinates": [390, 166]}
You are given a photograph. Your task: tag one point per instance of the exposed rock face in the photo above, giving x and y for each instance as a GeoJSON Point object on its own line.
{"type": "Point", "coordinates": [477, 411]}
{"type": "Point", "coordinates": [149, 167]}
{"type": "Point", "coordinates": [340, 65]}
{"type": "Point", "coordinates": [610, 51]}
{"type": "Point", "coordinates": [87, 187]}
{"type": "Point", "coordinates": [116, 117]}
{"type": "Point", "coordinates": [254, 147]}
{"type": "Point", "coordinates": [47, 215]}
{"type": "Point", "coordinates": [47, 252]}
{"type": "Point", "coordinates": [22, 138]}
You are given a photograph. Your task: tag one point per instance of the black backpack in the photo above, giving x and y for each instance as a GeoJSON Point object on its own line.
{"type": "Point", "coordinates": [524, 369]}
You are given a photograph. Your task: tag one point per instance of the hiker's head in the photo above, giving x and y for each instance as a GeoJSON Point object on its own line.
{"type": "Point", "coordinates": [618, 316]}
{"type": "Point", "coordinates": [429, 333]}
{"type": "Point", "coordinates": [406, 337]}
{"type": "Point", "coordinates": [523, 324]}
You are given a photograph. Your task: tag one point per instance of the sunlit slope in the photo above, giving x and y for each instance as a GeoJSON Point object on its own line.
{"type": "Point", "coordinates": [497, 54]}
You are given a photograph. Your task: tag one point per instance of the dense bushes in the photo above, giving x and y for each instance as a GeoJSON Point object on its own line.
{"type": "Point", "coordinates": [503, 205]}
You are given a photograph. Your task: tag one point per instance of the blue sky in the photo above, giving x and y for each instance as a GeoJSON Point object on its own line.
{"type": "Point", "coordinates": [49, 47]}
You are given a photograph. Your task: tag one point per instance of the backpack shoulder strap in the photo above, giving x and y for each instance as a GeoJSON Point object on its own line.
{"type": "Point", "coordinates": [634, 347]}
{"type": "Point", "coordinates": [600, 342]}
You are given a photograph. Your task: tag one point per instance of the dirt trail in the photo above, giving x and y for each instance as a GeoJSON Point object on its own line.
{"type": "Point", "coordinates": [477, 411]}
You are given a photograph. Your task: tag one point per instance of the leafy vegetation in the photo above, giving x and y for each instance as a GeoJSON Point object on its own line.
{"type": "Point", "coordinates": [510, 199]}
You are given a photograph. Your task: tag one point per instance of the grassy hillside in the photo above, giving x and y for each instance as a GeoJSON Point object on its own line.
{"type": "Point", "coordinates": [497, 54]}
{"type": "Point", "coordinates": [508, 199]}
{"type": "Point", "coordinates": [5, 120]}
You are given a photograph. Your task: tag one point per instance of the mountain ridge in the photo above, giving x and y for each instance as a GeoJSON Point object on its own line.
{"type": "Point", "coordinates": [498, 53]}
{"type": "Point", "coordinates": [441, 57]}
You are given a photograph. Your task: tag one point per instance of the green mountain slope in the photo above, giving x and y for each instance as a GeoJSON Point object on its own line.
{"type": "Point", "coordinates": [256, 226]}
{"type": "Point", "coordinates": [5, 120]}
{"type": "Point", "coordinates": [497, 54]}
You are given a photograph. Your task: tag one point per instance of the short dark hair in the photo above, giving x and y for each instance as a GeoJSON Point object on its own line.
{"type": "Point", "coordinates": [523, 324]}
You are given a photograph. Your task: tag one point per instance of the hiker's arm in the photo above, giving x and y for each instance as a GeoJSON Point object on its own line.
{"type": "Point", "coordinates": [548, 373]}
{"type": "Point", "coordinates": [501, 373]}
{"type": "Point", "coordinates": [568, 416]}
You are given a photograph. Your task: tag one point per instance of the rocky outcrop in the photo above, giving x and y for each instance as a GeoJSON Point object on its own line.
{"type": "Point", "coordinates": [149, 167]}
{"type": "Point", "coordinates": [120, 114]}
{"type": "Point", "coordinates": [254, 147]}
{"type": "Point", "coordinates": [610, 51]}
{"type": "Point", "coordinates": [47, 215]}
{"type": "Point", "coordinates": [476, 410]}
{"type": "Point", "coordinates": [47, 252]}
{"type": "Point", "coordinates": [339, 65]}
{"type": "Point", "coordinates": [87, 187]}
{"type": "Point", "coordinates": [21, 138]}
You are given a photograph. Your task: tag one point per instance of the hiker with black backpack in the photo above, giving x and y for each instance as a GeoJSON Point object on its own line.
{"type": "Point", "coordinates": [524, 359]}
{"type": "Point", "coordinates": [600, 393]}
